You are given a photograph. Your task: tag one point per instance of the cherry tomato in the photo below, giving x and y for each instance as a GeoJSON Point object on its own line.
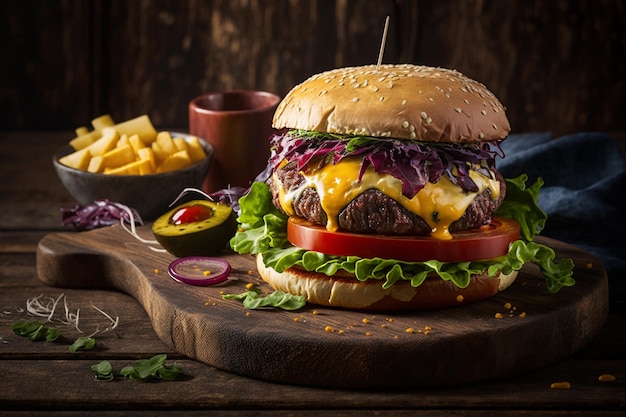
{"type": "Point", "coordinates": [487, 242]}
{"type": "Point", "coordinates": [191, 213]}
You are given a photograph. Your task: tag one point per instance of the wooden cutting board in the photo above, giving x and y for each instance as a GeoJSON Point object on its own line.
{"type": "Point", "coordinates": [364, 350]}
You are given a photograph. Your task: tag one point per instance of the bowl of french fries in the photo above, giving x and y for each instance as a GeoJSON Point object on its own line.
{"type": "Point", "coordinates": [132, 163]}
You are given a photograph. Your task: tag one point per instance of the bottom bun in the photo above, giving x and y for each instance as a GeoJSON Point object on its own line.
{"type": "Point", "coordinates": [347, 292]}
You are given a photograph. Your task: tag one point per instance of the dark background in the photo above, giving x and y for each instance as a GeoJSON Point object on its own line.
{"type": "Point", "coordinates": [556, 65]}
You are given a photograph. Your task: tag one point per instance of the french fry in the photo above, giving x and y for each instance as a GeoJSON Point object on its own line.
{"type": "Point", "coordinates": [117, 157]}
{"type": "Point", "coordinates": [132, 147]}
{"type": "Point", "coordinates": [175, 161]}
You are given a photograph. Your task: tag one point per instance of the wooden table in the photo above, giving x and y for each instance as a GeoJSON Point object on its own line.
{"type": "Point", "coordinates": [45, 378]}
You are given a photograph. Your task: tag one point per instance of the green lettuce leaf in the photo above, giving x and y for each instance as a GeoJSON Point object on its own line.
{"type": "Point", "coordinates": [263, 230]}
{"type": "Point", "coordinates": [521, 205]}
{"type": "Point", "coordinates": [261, 224]}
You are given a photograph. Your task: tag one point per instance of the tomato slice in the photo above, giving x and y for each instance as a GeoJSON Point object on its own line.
{"type": "Point", "coordinates": [486, 242]}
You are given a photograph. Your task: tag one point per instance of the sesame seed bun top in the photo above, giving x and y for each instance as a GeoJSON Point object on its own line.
{"type": "Point", "coordinates": [399, 101]}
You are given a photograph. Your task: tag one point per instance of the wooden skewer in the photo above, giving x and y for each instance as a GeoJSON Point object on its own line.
{"type": "Point", "coordinates": [382, 43]}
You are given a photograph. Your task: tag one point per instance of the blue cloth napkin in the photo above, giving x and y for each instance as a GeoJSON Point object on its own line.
{"type": "Point", "coordinates": [583, 194]}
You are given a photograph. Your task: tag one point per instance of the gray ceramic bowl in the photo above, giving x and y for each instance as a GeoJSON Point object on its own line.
{"type": "Point", "coordinates": [150, 194]}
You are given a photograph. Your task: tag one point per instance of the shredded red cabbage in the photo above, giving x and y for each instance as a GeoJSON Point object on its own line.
{"type": "Point", "coordinates": [414, 163]}
{"type": "Point", "coordinates": [100, 213]}
{"type": "Point", "coordinates": [231, 195]}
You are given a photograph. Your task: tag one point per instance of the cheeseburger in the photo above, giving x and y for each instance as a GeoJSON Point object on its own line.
{"type": "Point", "coordinates": [382, 193]}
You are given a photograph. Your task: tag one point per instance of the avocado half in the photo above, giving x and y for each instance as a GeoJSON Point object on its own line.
{"type": "Point", "coordinates": [204, 234]}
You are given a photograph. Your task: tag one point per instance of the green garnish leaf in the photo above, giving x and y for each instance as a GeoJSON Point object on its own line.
{"type": "Point", "coordinates": [35, 331]}
{"type": "Point", "coordinates": [84, 343]}
{"type": "Point", "coordinates": [152, 368]}
{"type": "Point", "coordinates": [103, 371]}
{"type": "Point", "coordinates": [252, 299]}
{"type": "Point", "coordinates": [52, 334]}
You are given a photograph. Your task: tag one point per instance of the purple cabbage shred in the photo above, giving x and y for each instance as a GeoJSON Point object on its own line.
{"type": "Point", "coordinates": [100, 213]}
{"type": "Point", "coordinates": [412, 162]}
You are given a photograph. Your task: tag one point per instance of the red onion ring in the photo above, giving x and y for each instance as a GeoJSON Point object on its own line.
{"type": "Point", "coordinates": [199, 270]}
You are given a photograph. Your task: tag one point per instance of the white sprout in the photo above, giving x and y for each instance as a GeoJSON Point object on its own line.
{"type": "Point", "coordinates": [190, 190]}
{"type": "Point", "coordinates": [46, 307]}
{"type": "Point", "coordinates": [133, 230]}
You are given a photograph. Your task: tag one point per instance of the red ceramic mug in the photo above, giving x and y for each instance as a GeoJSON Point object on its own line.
{"type": "Point", "coordinates": [238, 124]}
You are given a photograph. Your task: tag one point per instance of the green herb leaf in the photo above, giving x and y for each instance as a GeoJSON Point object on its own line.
{"type": "Point", "coordinates": [103, 371]}
{"type": "Point", "coordinates": [52, 334]}
{"type": "Point", "coordinates": [152, 368]}
{"type": "Point", "coordinates": [85, 343]}
{"type": "Point", "coordinates": [252, 299]}
{"type": "Point", "coordinates": [35, 331]}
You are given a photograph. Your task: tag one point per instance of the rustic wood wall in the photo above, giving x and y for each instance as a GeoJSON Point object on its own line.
{"type": "Point", "coordinates": [557, 65]}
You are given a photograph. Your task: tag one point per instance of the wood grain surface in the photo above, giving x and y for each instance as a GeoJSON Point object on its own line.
{"type": "Point", "coordinates": [556, 65]}
{"type": "Point", "coordinates": [364, 350]}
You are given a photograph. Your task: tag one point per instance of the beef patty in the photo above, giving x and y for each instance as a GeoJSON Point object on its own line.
{"type": "Point", "coordinates": [374, 212]}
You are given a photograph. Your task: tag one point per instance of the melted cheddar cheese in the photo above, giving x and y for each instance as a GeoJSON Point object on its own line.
{"type": "Point", "coordinates": [439, 204]}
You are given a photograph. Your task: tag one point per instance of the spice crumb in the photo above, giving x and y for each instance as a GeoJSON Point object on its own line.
{"type": "Point", "coordinates": [606, 378]}
{"type": "Point", "coordinates": [498, 315]}
{"type": "Point", "coordinates": [329, 329]}
{"type": "Point", "coordinates": [561, 385]}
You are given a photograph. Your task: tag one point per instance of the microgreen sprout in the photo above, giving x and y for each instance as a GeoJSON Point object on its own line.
{"type": "Point", "coordinates": [48, 307]}
{"type": "Point", "coordinates": [142, 370]}
{"type": "Point", "coordinates": [132, 230]}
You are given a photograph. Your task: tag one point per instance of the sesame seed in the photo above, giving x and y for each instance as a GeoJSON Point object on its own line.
{"type": "Point", "coordinates": [466, 101]}
{"type": "Point", "coordinates": [412, 135]}
{"type": "Point", "coordinates": [423, 115]}
{"type": "Point", "coordinates": [429, 120]}
{"type": "Point", "coordinates": [355, 99]}
{"type": "Point", "coordinates": [483, 112]}
{"type": "Point", "coordinates": [375, 89]}
{"type": "Point", "coordinates": [494, 126]}
{"type": "Point", "coordinates": [381, 98]}
{"type": "Point", "coordinates": [457, 109]}
{"type": "Point", "coordinates": [404, 102]}
{"type": "Point", "coordinates": [431, 99]}
{"type": "Point", "coordinates": [405, 124]}
{"type": "Point", "coordinates": [481, 135]}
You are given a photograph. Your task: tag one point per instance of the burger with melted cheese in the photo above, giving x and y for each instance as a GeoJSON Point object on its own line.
{"type": "Point", "coordinates": [382, 193]}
